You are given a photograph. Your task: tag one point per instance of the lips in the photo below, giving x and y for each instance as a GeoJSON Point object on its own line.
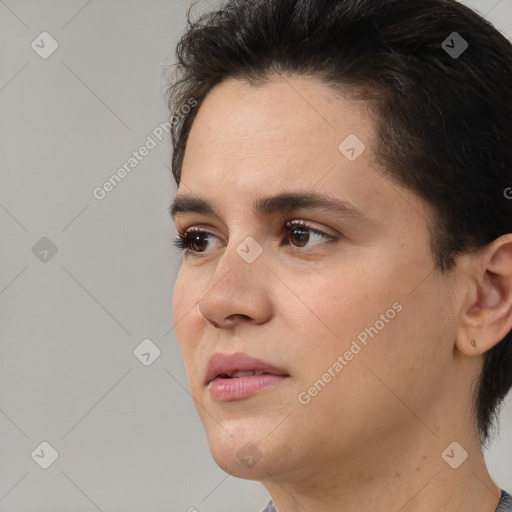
{"type": "Point", "coordinates": [239, 365]}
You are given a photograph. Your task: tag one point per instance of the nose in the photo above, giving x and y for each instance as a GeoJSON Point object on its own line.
{"type": "Point", "coordinates": [239, 290]}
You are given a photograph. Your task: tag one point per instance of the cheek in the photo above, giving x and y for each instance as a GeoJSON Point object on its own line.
{"type": "Point", "coordinates": [324, 316]}
{"type": "Point", "coordinates": [179, 299]}
{"type": "Point", "coordinates": [186, 320]}
{"type": "Point", "coordinates": [411, 355]}
{"type": "Point", "coordinates": [334, 306]}
{"type": "Point", "coordinates": [367, 312]}
{"type": "Point", "coordinates": [381, 358]}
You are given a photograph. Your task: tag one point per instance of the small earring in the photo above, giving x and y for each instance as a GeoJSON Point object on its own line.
{"type": "Point", "coordinates": [473, 344]}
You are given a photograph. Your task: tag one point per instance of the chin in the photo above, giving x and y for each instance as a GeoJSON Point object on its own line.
{"type": "Point", "coordinates": [239, 454]}
{"type": "Point", "coordinates": [247, 463]}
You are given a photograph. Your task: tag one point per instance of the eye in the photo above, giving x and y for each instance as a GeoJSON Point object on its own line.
{"type": "Point", "coordinates": [193, 240]}
{"type": "Point", "coordinates": [300, 230]}
{"type": "Point", "coordinates": [192, 237]}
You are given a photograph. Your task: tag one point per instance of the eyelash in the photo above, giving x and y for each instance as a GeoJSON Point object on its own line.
{"type": "Point", "coordinates": [183, 241]}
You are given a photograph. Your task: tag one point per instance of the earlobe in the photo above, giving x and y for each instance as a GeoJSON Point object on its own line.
{"type": "Point", "coordinates": [487, 317]}
{"type": "Point", "coordinates": [468, 344]}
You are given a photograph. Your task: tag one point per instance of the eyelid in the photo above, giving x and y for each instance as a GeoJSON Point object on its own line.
{"type": "Point", "coordinates": [305, 223]}
{"type": "Point", "coordinates": [296, 221]}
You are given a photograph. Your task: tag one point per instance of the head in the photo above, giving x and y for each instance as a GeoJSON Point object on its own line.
{"type": "Point", "coordinates": [410, 283]}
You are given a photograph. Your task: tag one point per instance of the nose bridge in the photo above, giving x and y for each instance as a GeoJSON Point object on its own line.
{"type": "Point", "coordinates": [242, 260]}
{"type": "Point", "coordinates": [235, 286]}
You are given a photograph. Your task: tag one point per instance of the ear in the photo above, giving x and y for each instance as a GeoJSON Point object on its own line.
{"type": "Point", "coordinates": [487, 314]}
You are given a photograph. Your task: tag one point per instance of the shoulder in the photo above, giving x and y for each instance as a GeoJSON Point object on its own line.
{"type": "Point", "coordinates": [270, 508]}
{"type": "Point", "coordinates": [505, 504]}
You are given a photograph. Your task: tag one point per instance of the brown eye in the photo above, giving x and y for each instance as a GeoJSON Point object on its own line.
{"type": "Point", "coordinates": [301, 232]}
{"type": "Point", "coordinates": [193, 240]}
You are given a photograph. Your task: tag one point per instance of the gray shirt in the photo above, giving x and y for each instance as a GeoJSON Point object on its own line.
{"type": "Point", "coordinates": [505, 504]}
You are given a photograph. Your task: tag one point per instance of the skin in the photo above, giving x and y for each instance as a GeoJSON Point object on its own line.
{"type": "Point", "coordinates": [372, 438]}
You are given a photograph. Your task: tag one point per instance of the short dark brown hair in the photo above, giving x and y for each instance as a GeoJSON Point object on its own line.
{"type": "Point", "coordinates": [444, 121]}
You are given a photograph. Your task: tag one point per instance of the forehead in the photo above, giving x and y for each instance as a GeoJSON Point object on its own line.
{"type": "Point", "coordinates": [287, 130]}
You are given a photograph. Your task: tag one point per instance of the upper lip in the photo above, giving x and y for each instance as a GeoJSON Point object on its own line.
{"type": "Point", "coordinates": [221, 363]}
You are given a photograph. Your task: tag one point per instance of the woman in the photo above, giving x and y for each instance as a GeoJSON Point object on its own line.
{"type": "Point", "coordinates": [344, 305]}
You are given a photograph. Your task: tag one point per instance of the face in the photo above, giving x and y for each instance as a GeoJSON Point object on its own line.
{"type": "Point", "coordinates": [349, 305]}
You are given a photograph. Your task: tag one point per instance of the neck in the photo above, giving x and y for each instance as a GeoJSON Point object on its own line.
{"type": "Point", "coordinates": [417, 480]}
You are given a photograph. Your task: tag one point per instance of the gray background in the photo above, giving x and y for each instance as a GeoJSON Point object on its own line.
{"type": "Point", "coordinates": [127, 435]}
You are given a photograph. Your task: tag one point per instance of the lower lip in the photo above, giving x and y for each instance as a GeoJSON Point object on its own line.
{"type": "Point", "coordinates": [237, 388]}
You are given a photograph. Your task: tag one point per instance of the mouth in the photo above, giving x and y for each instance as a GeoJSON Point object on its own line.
{"type": "Point", "coordinates": [239, 365]}
{"type": "Point", "coordinates": [243, 384]}
{"type": "Point", "coordinates": [241, 373]}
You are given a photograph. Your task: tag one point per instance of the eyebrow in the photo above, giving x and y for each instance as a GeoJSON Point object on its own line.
{"type": "Point", "coordinates": [280, 203]}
